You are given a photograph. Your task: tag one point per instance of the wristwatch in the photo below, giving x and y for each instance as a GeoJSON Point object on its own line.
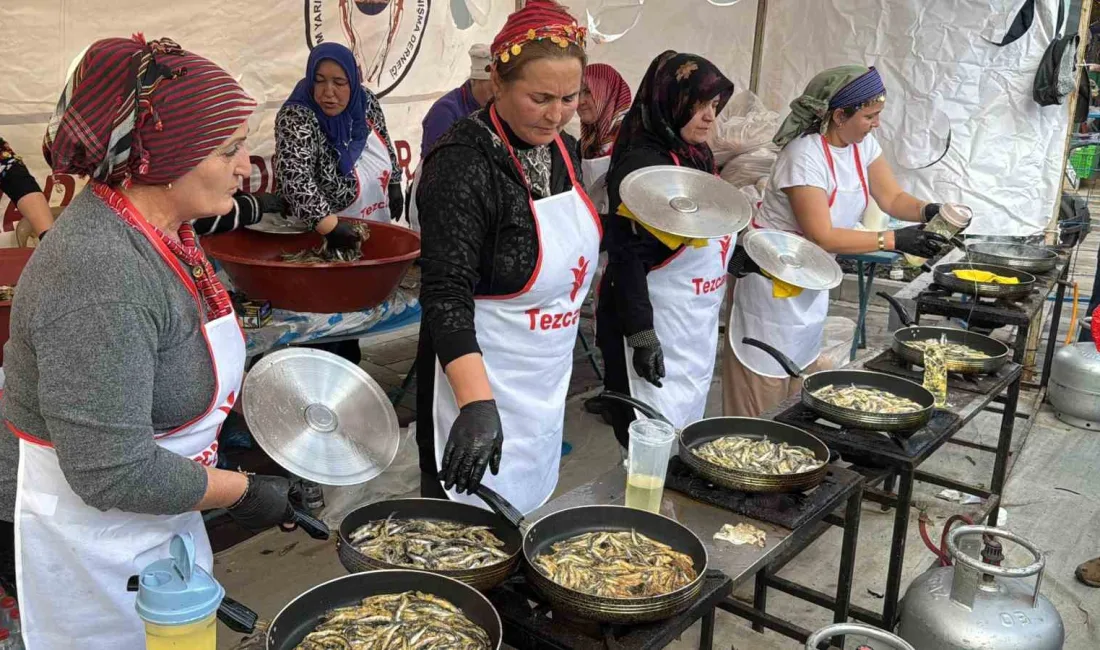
{"type": "Point", "coordinates": [882, 241]}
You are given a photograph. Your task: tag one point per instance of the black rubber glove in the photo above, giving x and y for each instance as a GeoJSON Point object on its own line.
{"type": "Point", "coordinates": [930, 210]}
{"type": "Point", "coordinates": [265, 503]}
{"type": "Point", "coordinates": [475, 442]}
{"type": "Point", "coordinates": [397, 201]}
{"type": "Point", "coordinates": [741, 264]}
{"type": "Point", "coordinates": [42, 235]}
{"type": "Point", "coordinates": [917, 241]}
{"type": "Point", "coordinates": [649, 363]}
{"type": "Point", "coordinates": [342, 238]}
{"type": "Point", "coordinates": [270, 203]}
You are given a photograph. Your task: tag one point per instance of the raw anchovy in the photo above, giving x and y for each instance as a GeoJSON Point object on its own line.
{"type": "Point", "coordinates": [322, 255]}
{"type": "Point", "coordinates": [411, 620]}
{"type": "Point", "coordinates": [868, 400]}
{"type": "Point", "coordinates": [953, 351]}
{"type": "Point", "coordinates": [760, 456]}
{"type": "Point", "coordinates": [616, 565]}
{"type": "Point", "coordinates": [741, 534]}
{"type": "Point", "coordinates": [430, 545]}
{"type": "Point", "coordinates": [6, 292]}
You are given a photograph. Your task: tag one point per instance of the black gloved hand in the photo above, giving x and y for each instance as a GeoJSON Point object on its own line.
{"type": "Point", "coordinates": [265, 503]}
{"type": "Point", "coordinates": [270, 203]}
{"type": "Point", "coordinates": [917, 241]}
{"type": "Point", "coordinates": [474, 443]}
{"type": "Point", "coordinates": [930, 210]}
{"type": "Point", "coordinates": [397, 201]}
{"type": "Point", "coordinates": [649, 363]}
{"type": "Point", "coordinates": [741, 264]}
{"type": "Point", "coordinates": [343, 238]}
{"type": "Point", "coordinates": [42, 235]}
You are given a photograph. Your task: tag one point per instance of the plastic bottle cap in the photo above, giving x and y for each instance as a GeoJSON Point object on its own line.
{"type": "Point", "coordinates": [174, 591]}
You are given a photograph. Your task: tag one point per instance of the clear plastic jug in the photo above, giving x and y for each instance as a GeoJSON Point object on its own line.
{"type": "Point", "coordinates": [178, 601]}
{"type": "Point", "coordinates": [647, 463]}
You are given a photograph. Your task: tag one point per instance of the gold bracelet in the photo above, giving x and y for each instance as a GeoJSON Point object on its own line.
{"type": "Point", "coordinates": [882, 241]}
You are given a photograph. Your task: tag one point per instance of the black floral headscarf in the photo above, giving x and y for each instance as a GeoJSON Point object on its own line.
{"type": "Point", "coordinates": [673, 87]}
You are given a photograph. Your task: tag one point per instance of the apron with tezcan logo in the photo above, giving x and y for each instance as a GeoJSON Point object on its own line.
{"type": "Point", "coordinates": [73, 560]}
{"type": "Point", "coordinates": [526, 342]}
{"type": "Point", "coordinates": [373, 171]}
{"type": "Point", "coordinates": [792, 325]}
{"type": "Point", "coordinates": [686, 293]}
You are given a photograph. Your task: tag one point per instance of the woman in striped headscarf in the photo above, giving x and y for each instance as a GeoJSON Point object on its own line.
{"type": "Point", "coordinates": [603, 103]}
{"type": "Point", "coordinates": [125, 355]}
{"type": "Point", "coordinates": [828, 171]}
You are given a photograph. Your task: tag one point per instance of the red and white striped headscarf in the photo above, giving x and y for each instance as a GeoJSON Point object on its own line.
{"type": "Point", "coordinates": [146, 112]}
{"type": "Point", "coordinates": [611, 96]}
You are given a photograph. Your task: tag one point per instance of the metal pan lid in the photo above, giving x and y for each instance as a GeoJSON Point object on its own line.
{"type": "Point", "coordinates": [685, 202]}
{"type": "Point", "coordinates": [320, 417]}
{"type": "Point", "coordinates": [792, 259]}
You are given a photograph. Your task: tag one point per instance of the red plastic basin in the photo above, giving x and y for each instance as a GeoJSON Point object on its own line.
{"type": "Point", "coordinates": [252, 260]}
{"type": "Point", "coordinates": [12, 261]}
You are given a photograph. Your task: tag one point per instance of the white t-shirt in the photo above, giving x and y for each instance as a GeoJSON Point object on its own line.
{"type": "Point", "coordinates": [802, 163]}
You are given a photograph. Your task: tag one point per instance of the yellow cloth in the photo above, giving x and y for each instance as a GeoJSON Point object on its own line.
{"type": "Point", "coordinates": [668, 239]}
{"type": "Point", "coordinates": [972, 275]}
{"type": "Point", "coordinates": [781, 289]}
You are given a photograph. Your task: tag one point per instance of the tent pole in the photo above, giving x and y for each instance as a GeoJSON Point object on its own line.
{"type": "Point", "coordinates": [758, 45]}
{"type": "Point", "coordinates": [1071, 103]}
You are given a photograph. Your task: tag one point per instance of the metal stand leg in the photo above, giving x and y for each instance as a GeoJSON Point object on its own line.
{"type": "Point", "coordinates": [865, 283]}
{"type": "Point", "coordinates": [760, 597]}
{"type": "Point", "coordinates": [1052, 340]}
{"type": "Point", "coordinates": [590, 354]}
{"type": "Point", "coordinates": [847, 559]}
{"type": "Point", "coordinates": [706, 632]}
{"type": "Point", "coordinates": [1020, 346]}
{"type": "Point", "coordinates": [897, 549]}
{"type": "Point", "coordinates": [399, 394]}
{"type": "Point", "coordinates": [1004, 445]}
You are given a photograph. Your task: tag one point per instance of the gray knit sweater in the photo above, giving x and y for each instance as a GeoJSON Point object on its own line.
{"type": "Point", "coordinates": [105, 350]}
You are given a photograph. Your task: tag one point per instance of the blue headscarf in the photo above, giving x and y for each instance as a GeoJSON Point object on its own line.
{"type": "Point", "coordinates": [348, 131]}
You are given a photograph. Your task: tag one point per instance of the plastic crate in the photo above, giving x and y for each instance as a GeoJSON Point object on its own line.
{"type": "Point", "coordinates": [1083, 161]}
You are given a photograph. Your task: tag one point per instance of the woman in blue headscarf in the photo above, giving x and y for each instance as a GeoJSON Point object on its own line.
{"type": "Point", "coordinates": [333, 155]}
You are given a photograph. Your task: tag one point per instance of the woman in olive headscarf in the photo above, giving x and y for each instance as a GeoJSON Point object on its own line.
{"type": "Point", "coordinates": [649, 301]}
{"type": "Point", "coordinates": [823, 180]}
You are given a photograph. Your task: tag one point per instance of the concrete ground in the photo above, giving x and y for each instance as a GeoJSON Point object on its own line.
{"type": "Point", "coordinates": [1051, 499]}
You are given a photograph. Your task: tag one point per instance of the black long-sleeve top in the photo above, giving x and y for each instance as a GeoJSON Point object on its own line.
{"type": "Point", "coordinates": [16, 180]}
{"type": "Point", "coordinates": [478, 238]}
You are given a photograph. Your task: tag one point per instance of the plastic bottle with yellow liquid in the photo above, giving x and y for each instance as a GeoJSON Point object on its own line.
{"type": "Point", "coordinates": [178, 601]}
{"type": "Point", "coordinates": [951, 220]}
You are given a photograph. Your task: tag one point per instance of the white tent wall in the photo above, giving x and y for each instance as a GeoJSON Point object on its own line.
{"type": "Point", "coordinates": [265, 44]}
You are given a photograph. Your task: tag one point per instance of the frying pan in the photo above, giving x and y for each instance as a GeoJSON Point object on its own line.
{"type": "Point", "coordinates": [850, 417]}
{"type": "Point", "coordinates": [303, 614]}
{"type": "Point", "coordinates": [1033, 259]}
{"type": "Point", "coordinates": [483, 578]}
{"type": "Point", "coordinates": [564, 524]}
{"type": "Point", "coordinates": [998, 352]}
{"type": "Point", "coordinates": [944, 275]}
{"type": "Point", "coordinates": [703, 431]}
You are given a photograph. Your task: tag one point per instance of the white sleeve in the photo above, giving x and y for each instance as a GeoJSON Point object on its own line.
{"type": "Point", "coordinates": [870, 149]}
{"type": "Point", "coordinates": [801, 164]}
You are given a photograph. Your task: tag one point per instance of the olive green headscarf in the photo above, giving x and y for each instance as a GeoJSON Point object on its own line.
{"type": "Point", "coordinates": [811, 109]}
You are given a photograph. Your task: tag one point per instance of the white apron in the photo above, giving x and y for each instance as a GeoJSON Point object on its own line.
{"type": "Point", "coordinates": [527, 342]}
{"type": "Point", "coordinates": [686, 293]}
{"type": "Point", "coordinates": [792, 325]}
{"type": "Point", "coordinates": [373, 171]}
{"type": "Point", "coordinates": [594, 172]}
{"type": "Point", "coordinates": [73, 560]}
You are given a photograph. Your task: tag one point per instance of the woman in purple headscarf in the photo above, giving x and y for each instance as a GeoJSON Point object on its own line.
{"type": "Point", "coordinates": [828, 171]}
{"type": "Point", "coordinates": [333, 155]}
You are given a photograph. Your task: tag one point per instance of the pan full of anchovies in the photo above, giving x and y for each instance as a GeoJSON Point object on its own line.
{"type": "Point", "coordinates": [411, 620]}
{"type": "Point", "coordinates": [866, 400]}
{"type": "Point", "coordinates": [758, 455]}
{"type": "Point", "coordinates": [429, 545]}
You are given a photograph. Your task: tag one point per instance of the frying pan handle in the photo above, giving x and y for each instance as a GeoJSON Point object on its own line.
{"type": "Point", "coordinates": [899, 308]}
{"type": "Point", "coordinates": [500, 505]}
{"type": "Point", "coordinates": [926, 267]}
{"type": "Point", "coordinates": [784, 360]}
{"type": "Point", "coordinates": [236, 616]}
{"type": "Point", "coordinates": [314, 527]}
{"type": "Point", "coordinates": [643, 408]}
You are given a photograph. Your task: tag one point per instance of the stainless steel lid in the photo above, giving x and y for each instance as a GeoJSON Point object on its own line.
{"type": "Point", "coordinates": [685, 202]}
{"type": "Point", "coordinates": [277, 224]}
{"type": "Point", "coordinates": [792, 259]}
{"type": "Point", "coordinates": [320, 417]}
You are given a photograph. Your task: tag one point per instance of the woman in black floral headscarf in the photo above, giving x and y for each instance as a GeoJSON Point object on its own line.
{"type": "Point", "coordinates": [660, 295]}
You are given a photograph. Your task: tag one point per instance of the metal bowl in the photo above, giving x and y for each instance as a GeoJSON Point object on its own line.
{"type": "Point", "coordinates": [320, 417]}
{"type": "Point", "coordinates": [1023, 257]}
{"type": "Point", "coordinates": [793, 259]}
{"type": "Point", "coordinates": [685, 202]}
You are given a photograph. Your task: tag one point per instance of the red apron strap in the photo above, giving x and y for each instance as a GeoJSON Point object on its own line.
{"type": "Point", "coordinates": [832, 170]}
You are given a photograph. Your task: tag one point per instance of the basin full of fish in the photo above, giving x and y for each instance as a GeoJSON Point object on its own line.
{"type": "Point", "coordinates": [953, 351]}
{"type": "Point", "coordinates": [430, 545]}
{"type": "Point", "coordinates": [623, 564]}
{"type": "Point", "coordinates": [757, 455]}
{"type": "Point", "coordinates": [411, 620]}
{"type": "Point", "coordinates": [867, 400]}
{"type": "Point", "coordinates": [7, 292]}
{"type": "Point", "coordinates": [323, 255]}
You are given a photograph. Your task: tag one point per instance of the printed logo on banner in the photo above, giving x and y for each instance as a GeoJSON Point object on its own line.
{"type": "Point", "coordinates": [384, 35]}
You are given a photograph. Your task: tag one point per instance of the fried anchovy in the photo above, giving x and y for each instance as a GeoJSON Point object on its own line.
{"type": "Point", "coordinates": [617, 565]}
{"type": "Point", "coordinates": [322, 254]}
{"type": "Point", "coordinates": [868, 400]}
{"type": "Point", "coordinates": [758, 455]}
{"type": "Point", "coordinates": [429, 544]}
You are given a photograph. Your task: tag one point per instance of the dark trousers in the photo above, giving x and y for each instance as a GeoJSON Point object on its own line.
{"type": "Point", "coordinates": [430, 487]}
{"type": "Point", "coordinates": [7, 557]}
{"type": "Point", "coordinates": [344, 349]}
